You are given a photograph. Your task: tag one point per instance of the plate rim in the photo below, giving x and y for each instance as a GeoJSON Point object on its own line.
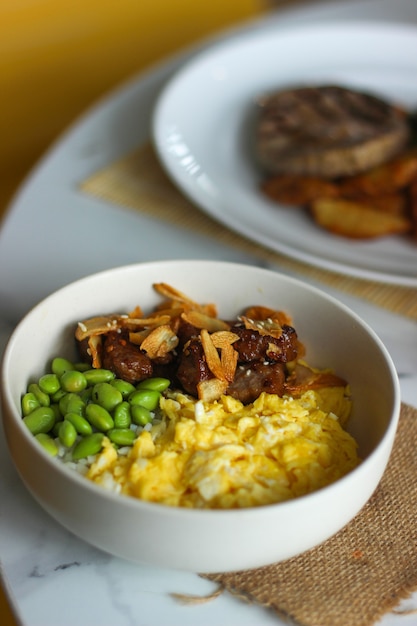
{"type": "Point", "coordinates": [374, 28]}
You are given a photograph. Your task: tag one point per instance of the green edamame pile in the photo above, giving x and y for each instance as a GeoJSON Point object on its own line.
{"type": "Point", "coordinates": [79, 406]}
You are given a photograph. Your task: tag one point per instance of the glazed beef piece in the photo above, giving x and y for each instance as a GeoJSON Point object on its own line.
{"type": "Point", "coordinates": [125, 359]}
{"type": "Point", "coordinates": [252, 346]}
{"type": "Point", "coordinates": [185, 332]}
{"type": "Point", "coordinates": [192, 367]}
{"type": "Point", "coordinates": [260, 362]}
{"type": "Point", "coordinates": [260, 366]}
{"type": "Point", "coordinates": [251, 379]}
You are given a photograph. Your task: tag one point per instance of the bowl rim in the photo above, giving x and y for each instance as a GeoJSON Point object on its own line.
{"type": "Point", "coordinates": [73, 476]}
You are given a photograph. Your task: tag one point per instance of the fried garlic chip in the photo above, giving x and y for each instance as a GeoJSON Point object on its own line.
{"type": "Point", "coordinates": [211, 390]}
{"type": "Point", "coordinates": [144, 322]}
{"type": "Point", "coordinates": [94, 344]}
{"type": "Point", "coordinates": [224, 340]}
{"type": "Point", "coordinates": [212, 356]}
{"type": "Point", "coordinates": [175, 296]}
{"type": "Point", "coordinates": [159, 342]}
{"type": "Point", "coordinates": [97, 326]}
{"type": "Point", "coordinates": [201, 320]}
{"type": "Point", "coordinates": [265, 313]}
{"type": "Point", "coordinates": [264, 327]}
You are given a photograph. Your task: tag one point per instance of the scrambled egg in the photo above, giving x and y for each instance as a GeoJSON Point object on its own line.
{"type": "Point", "coordinates": [225, 455]}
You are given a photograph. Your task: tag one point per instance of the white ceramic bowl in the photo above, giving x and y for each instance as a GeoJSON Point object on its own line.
{"type": "Point", "coordinates": [204, 540]}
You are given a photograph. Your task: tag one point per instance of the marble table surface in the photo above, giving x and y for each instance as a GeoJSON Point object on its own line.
{"type": "Point", "coordinates": [51, 577]}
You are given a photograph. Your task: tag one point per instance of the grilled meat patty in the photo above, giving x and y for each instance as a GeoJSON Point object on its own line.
{"type": "Point", "coordinates": [327, 131]}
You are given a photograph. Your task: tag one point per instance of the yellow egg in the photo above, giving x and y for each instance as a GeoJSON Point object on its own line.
{"type": "Point", "coordinates": [227, 455]}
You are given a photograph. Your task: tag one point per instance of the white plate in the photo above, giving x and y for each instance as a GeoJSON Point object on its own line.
{"type": "Point", "coordinates": [201, 130]}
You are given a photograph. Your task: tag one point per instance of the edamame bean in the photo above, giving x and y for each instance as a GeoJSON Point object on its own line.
{"type": "Point", "coordinates": [106, 396]}
{"type": "Point", "coordinates": [60, 365]}
{"type": "Point", "coordinates": [47, 443]}
{"type": "Point", "coordinates": [56, 397]}
{"type": "Point", "coordinates": [145, 397]}
{"type": "Point", "coordinates": [140, 415]}
{"type": "Point", "coordinates": [41, 420]}
{"type": "Point", "coordinates": [88, 446]}
{"type": "Point", "coordinates": [122, 436]}
{"type": "Point", "coordinates": [121, 415]}
{"type": "Point", "coordinates": [67, 434]}
{"type": "Point", "coordinates": [71, 403]}
{"type": "Point", "coordinates": [156, 384]}
{"type": "Point", "coordinates": [76, 404]}
{"type": "Point", "coordinates": [74, 400]}
{"type": "Point", "coordinates": [29, 403]}
{"type": "Point", "coordinates": [49, 383]}
{"type": "Point", "coordinates": [42, 398]}
{"type": "Point", "coordinates": [81, 425]}
{"type": "Point", "coordinates": [123, 386]}
{"type": "Point", "coordinates": [99, 417]}
{"type": "Point", "coordinates": [73, 381]}
{"type": "Point", "coordinates": [85, 395]}
{"type": "Point", "coordinates": [98, 375]}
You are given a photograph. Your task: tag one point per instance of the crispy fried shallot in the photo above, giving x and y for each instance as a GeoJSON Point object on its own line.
{"type": "Point", "coordinates": [201, 351]}
{"type": "Point", "coordinates": [265, 313]}
{"type": "Point", "coordinates": [304, 378]}
{"type": "Point", "coordinates": [175, 296]}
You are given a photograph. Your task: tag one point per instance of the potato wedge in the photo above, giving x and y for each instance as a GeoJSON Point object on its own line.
{"type": "Point", "coordinates": [395, 203]}
{"type": "Point", "coordinates": [385, 179]}
{"type": "Point", "coordinates": [356, 221]}
{"type": "Point", "coordinates": [298, 190]}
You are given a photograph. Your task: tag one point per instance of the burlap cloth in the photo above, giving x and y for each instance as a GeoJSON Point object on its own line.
{"type": "Point", "coordinates": [365, 570]}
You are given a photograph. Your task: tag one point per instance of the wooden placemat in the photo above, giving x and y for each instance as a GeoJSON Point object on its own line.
{"type": "Point", "coordinates": [361, 573]}
{"type": "Point", "coordinates": [138, 182]}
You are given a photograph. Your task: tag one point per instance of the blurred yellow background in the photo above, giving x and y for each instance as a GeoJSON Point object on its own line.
{"type": "Point", "coordinates": [58, 57]}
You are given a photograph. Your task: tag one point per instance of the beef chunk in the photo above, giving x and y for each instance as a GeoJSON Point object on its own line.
{"type": "Point", "coordinates": [192, 367]}
{"type": "Point", "coordinates": [251, 379]}
{"type": "Point", "coordinates": [252, 346]}
{"type": "Point", "coordinates": [125, 359]}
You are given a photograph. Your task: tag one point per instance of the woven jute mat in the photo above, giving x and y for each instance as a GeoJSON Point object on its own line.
{"type": "Point", "coordinates": [362, 572]}
{"type": "Point", "coordinates": [138, 182]}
